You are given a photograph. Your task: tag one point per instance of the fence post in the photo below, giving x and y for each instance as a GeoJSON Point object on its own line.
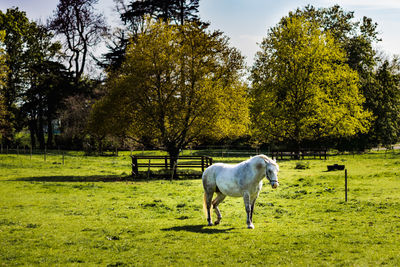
{"type": "Point", "coordinates": [202, 163]}
{"type": "Point", "coordinates": [135, 170]}
{"type": "Point", "coordinates": [166, 162]}
{"type": "Point", "coordinates": [148, 171]}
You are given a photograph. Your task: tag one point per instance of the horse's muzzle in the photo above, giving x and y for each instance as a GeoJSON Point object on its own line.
{"type": "Point", "coordinates": [274, 184]}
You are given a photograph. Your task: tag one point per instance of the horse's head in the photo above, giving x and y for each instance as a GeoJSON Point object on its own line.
{"type": "Point", "coordinates": [271, 172]}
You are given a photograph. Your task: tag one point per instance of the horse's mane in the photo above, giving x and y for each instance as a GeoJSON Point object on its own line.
{"type": "Point", "coordinates": [268, 160]}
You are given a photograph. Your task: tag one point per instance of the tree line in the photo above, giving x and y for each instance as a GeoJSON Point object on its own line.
{"type": "Point", "coordinates": [169, 81]}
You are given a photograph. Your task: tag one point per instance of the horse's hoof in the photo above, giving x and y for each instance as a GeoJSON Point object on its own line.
{"type": "Point", "coordinates": [216, 222]}
{"type": "Point", "coordinates": [210, 224]}
{"type": "Point", "coordinates": [250, 226]}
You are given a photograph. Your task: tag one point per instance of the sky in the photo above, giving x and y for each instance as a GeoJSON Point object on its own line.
{"type": "Point", "coordinates": [246, 22]}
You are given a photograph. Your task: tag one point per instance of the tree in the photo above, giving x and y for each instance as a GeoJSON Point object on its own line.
{"type": "Point", "coordinates": [47, 84]}
{"type": "Point", "coordinates": [178, 84]}
{"type": "Point", "coordinates": [133, 16]}
{"type": "Point", "coordinates": [51, 85]}
{"type": "Point", "coordinates": [354, 37]}
{"type": "Point", "coordinates": [177, 11]}
{"type": "Point", "coordinates": [81, 29]}
{"type": "Point", "coordinates": [302, 87]}
{"type": "Point", "coordinates": [385, 104]}
{"type": "Point", "coordinates": [16, 26]}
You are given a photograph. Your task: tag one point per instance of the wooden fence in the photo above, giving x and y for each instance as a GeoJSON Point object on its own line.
{"type": "Point", "coordinates": [282, 155]}
{"type": "Point", "coordinates": [164, 162]}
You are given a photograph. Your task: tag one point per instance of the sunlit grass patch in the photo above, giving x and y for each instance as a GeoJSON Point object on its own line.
{"type": "Point", "coordinates": [88, 212]}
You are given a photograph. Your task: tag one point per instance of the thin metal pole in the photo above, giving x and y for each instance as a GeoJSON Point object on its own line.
{"type": "Point", "coordinates": [345, 185]}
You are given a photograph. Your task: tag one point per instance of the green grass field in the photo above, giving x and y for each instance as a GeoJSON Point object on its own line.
{"type": "Point", "coordinates": [87, 212]}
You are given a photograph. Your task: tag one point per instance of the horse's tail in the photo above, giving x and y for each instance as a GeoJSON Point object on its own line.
{"type": "Point", "coordinates": [205, 205]}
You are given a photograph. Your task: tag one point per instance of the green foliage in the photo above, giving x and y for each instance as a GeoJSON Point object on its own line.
{"type": "Point", "coordinates": [133, 17]}
{"type": "Point", "coordinates": [178, 84]}
{"type": "Point", "coordinates": [302, 87]}
{"type": "Point", "coordinates": [16, 26]}
{"type": "Point", "coordinates": [54, 214]}
{"type": "Point", "coordinates": [173, 10]}
{"type": "Point", "coordinates": [378, 79]}
{"type": "Point", "coordinates": [383, 99]}
{"type": "Point", "coordinates": [356, 38]}
{"type": "Point", "coordinates": [35, 84]}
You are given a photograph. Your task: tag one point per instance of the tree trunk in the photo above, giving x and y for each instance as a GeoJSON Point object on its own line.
{"type": "Point", "coordinates": [100, 145]}
{"type": "Point", "coordinates": [49, 134]}
{"type": "Point", "coordinates": [297, 140]}
{"type": "Point", "coordinates": [297, 151]}
{"type": "Point", "coordinates": [174, 155]}
{"type": "Point", "coordinates": [32, 130]}
{"type": "Point", "coordinates": [40, 132]}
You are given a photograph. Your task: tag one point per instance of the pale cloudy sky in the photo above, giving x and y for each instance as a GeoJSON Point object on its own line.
{"type": "Point", "coordinates": [246, 21]}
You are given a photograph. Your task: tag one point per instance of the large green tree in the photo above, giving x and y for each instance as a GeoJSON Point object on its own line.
{"type": "Point", "coordinates": [177, 85]}
{"type": "Point", "coordinates": [385, 104]}
{"type": "Point", "coordinates": [302, 88]}
{"type": "Point", "coordinates": [47, 84]}
{"type": "Point", "coordinates": [16, 26]}
{"type": "Point", "coordinates": [36, 84]}
{"type": "Point", "coordinates": [357, 39]}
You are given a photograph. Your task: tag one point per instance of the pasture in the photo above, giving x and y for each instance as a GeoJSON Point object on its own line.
{"type": "Point", "coordinates": [88, 212]}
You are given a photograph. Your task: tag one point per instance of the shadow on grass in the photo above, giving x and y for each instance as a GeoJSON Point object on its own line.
{"type": "Point", "coordinates": [70, 178]}
{"type": "Point", "coordinates": [203, 229]}
{"type": "Point", "coordinates": [99, 178]}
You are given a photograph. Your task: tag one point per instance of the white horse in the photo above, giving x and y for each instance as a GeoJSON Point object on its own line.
{"type": "Point", "coordinates": [241, 180]}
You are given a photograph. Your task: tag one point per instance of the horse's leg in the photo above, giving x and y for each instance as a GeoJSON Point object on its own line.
{"type": "Point", "coordinates": [252, 209]}
{"type": "Point", "coordinates": [208, 202]}
{"type": "Point", "coordinates": [253, 201]}
{"type": "Point", "coordinates": [220, 197]}
{"type": "Point", "coordinates": [247, 204]}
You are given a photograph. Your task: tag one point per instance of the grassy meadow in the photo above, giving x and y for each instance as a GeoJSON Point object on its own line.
{"type": "Point", "coordinates": [89, 212]}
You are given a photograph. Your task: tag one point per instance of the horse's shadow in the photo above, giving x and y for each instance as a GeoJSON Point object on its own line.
{"type": "Point", "coordinates": [203, 229]}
